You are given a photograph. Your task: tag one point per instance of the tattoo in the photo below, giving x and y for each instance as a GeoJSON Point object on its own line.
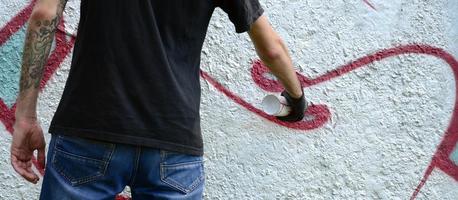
{"type": "Point", "coordinates": [37, 46]}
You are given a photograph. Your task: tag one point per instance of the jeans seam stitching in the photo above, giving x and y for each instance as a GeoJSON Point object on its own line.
{"type": "Point", "coordinates": [88, 179]}
{"type": "Point", "coordinates": [112, 147]}
{"type": "Point", "coordinates": [171, 182]}
{"type": "Point", "coordinates": [163, 156]}
{"type": "Point", "coordinates": [177, 185]}
{"type": "Point", "coordinates": [82, 158]}
{"type": "Point", "coordinates": [182, 164]}
{"type": "Point", "coordinates": [78, 181]}
{"type": "Point", "coordinates": [199, 180]}
{"type": "Point", "coordinates": [73, 181]}
{"type": "Point", "coordinates": [137, 160]}
{"type": "Point", "coordinates": [106, 156]}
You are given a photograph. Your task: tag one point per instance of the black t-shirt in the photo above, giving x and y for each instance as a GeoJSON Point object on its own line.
{"type": "Point", "coordinates": [134, 77]}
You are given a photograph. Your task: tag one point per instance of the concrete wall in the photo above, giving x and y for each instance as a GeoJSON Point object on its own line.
{"type": "Point", "coordinates": [381, 76]}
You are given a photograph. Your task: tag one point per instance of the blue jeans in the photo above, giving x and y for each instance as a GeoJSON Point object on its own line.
{"type": "Point", "coordinates": [82, 169]}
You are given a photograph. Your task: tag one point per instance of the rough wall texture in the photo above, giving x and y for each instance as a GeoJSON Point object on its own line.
{"type": "Point", "coordinates": [381, 76]}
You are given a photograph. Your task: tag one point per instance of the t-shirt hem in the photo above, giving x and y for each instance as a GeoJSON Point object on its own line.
{"type": "Point", "coordinates": [125, 139]}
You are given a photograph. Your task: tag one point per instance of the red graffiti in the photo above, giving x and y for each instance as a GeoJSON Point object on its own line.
{"type": "Point", "coordinates": [63, 48]}
{"type": "Point", "coordinates": [321, 113]}
{"type": "Point", "coordinates": [15, 24]}
{"type": "Point", "coordinates": [57, 56]}
{"type": "Point", "coordinates": [317, 115]}
{"type": "Point", "coordinates": [122, 197]}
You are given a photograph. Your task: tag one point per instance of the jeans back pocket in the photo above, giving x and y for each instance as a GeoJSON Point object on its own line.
{"type": "Point", "coordinates": [182, 172]}
{"type": "Point", "coordinates": [81, 160]}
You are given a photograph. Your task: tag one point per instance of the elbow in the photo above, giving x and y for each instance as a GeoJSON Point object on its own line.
{"type": "Point", "coordinates": [272, 53]}
{"type": "Point", "coordinates": [42, 13]}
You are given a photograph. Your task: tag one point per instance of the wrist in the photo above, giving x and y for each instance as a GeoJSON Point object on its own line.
{"type": "Point", "coordinates": [297, 95]}
{"type": "Point", "coordinates": [25, 115]}
{"type": "Point", "coordinates": [26, 109]}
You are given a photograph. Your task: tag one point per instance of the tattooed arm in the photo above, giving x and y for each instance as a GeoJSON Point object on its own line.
{"type": "Point", "coordinates": [28, 135]}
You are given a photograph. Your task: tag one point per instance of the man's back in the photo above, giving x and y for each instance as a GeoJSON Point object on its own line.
{"type": "Point", "coordinates": [135, 74]}
{"type": "Point", "coordinates": [129, 114]}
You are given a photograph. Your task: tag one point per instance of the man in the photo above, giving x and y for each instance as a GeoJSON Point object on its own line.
{"type": "Point", "coordinates": [129, 114]}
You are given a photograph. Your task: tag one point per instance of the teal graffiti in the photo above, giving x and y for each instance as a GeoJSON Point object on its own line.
{"type": "Point", "coordinates": [10, 66]}
{"type": "Point", "coordinates": [454, 155]}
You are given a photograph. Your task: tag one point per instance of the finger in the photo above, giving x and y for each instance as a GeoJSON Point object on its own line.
{"type": "Point", "coordinates": [24, 170]}
{"type": "Point", "coordinates": [30, 170]}
{"type": "Point", "coordinates": [41, 157]}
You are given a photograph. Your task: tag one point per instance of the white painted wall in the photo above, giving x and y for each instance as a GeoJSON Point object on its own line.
{"type": "Point", "coordinates": [387, 119]}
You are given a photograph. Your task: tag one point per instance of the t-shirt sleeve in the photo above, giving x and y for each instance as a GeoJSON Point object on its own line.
{"type": "Point", "coordinates": [242, 13]}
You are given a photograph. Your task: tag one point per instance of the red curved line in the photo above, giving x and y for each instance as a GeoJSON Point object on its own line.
{"type": "Point", "coordinates": [122, 197]}
{"type": "Point", "coordinates": [441, 157]}
{"type": "Point", "coordinates": [258, 70]}
{"type": "Point", "coordinates": [429, 171]}
{"type": "Point", "coordinates": [16, 23]}
{"type": "Point", "coordinates": [6, 116]}
{"type": "Point", "coordinates": [320, 113]}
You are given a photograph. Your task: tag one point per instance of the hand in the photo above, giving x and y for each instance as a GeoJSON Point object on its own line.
{"type": "Point", "coordinates": [298, 107]}
{"type": "Point", "coordinates": [27, 137]}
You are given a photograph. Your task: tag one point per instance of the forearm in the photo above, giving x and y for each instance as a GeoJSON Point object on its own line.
{"type": "Point", "coordinates": [281, 66]}
{"type": "Point", "coordinates": [40, 33]}
{"type": "Point", "coordinates": [274, 53]}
